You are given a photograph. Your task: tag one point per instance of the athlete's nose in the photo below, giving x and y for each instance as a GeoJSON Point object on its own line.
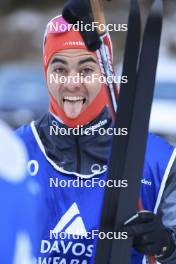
{"type": "Point", "coordinates": [73, 81]}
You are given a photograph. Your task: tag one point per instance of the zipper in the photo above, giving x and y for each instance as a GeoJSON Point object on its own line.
{"type": "Point", "coordinates": [78, 156]}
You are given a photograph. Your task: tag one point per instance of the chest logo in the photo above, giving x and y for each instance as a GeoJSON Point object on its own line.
{"type": "Point", "coordinates": [71, 222]}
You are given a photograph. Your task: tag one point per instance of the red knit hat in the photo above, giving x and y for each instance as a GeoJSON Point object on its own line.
{"type": "Point", "coordinates": [59, 36]}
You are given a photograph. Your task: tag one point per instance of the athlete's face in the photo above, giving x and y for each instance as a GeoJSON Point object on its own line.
{"type": "Point", "coordinates": [73, 94]}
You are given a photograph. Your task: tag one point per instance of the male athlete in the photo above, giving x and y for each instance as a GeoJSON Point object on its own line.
{"type": "Point", "coordinates": [71, 165]}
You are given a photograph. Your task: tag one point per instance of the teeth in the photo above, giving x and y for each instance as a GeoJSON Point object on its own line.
{"type": "Point", "coordinates": [74, 98]}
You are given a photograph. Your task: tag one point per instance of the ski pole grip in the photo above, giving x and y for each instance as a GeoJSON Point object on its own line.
{"type": "Point", "coordinates": [98, 15]}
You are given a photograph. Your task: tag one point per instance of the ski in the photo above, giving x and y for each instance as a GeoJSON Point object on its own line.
{"type": "Point", "coordinates": [128, 162]}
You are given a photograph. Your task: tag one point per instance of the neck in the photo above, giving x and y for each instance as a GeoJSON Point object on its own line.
{"type": "Point", "coordinates": [76, 151]}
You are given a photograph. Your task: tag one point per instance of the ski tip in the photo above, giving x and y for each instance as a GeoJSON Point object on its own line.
{"type": "Point", "coordinates": [134, 4]}
{"type": "Point", "coordinates": [157, 8]}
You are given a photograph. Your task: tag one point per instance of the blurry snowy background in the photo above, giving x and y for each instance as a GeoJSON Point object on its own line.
{"type": "Point", "coordinates": [23, 94]}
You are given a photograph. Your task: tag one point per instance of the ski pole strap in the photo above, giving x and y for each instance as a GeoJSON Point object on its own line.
{"type": "Point", "coordinates": [127, 157]}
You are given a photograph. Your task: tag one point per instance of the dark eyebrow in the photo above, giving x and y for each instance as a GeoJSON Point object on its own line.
{"type": "Point", "coordinates": [89, 59]}
{"type": "Point", "coordinates": [57, 60]}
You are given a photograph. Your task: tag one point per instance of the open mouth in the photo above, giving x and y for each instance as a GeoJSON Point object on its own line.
{"type": "Point", "coordinates": [74, 99]}
{"type": "Point", "coordinates": [73, 105]}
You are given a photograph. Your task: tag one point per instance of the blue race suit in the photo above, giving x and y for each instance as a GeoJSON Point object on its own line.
{"type": "Point", "coordinates": [59, 162]}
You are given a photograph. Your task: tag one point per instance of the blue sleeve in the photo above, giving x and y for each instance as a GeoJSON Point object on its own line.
{"type": "Point", "coordinates": [157, 158]}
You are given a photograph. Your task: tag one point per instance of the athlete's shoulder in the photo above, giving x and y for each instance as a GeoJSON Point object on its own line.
{"type": "Point", "coordinates": [158, 147]}
{"type": "Point", "coordinates": [159, 154]}
{"type": "Point", "coordinates": [24, 130]}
